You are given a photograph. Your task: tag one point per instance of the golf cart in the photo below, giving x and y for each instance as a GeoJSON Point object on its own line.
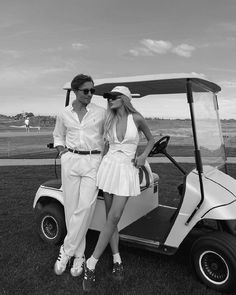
{"type": "Point", "coordinates": [199, 196]}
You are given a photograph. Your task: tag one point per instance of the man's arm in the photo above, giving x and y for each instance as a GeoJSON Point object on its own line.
{"type": "Point", "coordinates": [59, 135]}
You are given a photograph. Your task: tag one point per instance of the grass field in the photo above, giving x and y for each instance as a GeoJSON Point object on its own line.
{"type": "Point", "coordinates": [35, 146]}
{"type": "Point", "coordinates": [27, 262]}
{"type": "Point", "coordinates": [16, 143]}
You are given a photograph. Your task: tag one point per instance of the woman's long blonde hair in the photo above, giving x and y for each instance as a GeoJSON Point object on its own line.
{"type": "Point", "coordinates": [111, 115]}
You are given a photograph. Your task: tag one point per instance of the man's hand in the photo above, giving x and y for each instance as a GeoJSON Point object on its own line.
{"type": "Point", "coordinates": [61, 150]}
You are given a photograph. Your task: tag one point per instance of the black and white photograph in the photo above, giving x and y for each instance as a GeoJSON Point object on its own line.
{"type": "Point", "coordinates": [118, 147]}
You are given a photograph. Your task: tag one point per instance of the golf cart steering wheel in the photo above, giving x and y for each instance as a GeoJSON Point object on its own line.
{"type": "Point", "coordinates": [160, 145]}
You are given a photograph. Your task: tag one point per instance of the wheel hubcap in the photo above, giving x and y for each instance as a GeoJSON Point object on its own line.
{"type": "Point", "coordinates": [214, 267]}
{"type": "Point", "coordinates": [49, 227]}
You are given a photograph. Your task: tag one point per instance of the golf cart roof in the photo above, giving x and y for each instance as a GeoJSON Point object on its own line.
{"type": "Point", "coordinates": [153, 84]}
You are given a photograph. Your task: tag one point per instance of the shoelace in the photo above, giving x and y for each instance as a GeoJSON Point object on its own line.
{"type": "Point", "coordinates": [63, 257]}
{"type": "Point", "coordinates": [59, 257]}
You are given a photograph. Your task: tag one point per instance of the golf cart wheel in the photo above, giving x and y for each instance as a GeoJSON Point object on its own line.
{"type": "Point", "coordinates": [214, 260]}
{"type": "Point", "coordinates": [51, 224]}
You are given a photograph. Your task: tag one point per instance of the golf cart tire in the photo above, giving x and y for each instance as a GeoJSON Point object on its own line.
{"type": "Point", "coordinates": [51, 224]}
{"type": "Point", "coordinates": [213, 258]}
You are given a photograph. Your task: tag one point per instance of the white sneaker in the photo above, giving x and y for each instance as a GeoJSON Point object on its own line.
{"type": "Point", "coordinates": [62, 260]}
{"type": "Point", "coordinates": [78, 266]}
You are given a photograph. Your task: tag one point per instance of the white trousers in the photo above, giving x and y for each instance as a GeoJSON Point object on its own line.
{"type": "Point", "coordinates": [78, 173]}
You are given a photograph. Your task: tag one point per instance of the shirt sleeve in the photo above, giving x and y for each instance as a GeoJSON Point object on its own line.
{"type": "Point", "coordinates": [59, 133]}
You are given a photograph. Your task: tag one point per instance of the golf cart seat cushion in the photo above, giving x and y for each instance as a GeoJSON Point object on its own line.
{"type": "Point", "coordinates": [56, 184]}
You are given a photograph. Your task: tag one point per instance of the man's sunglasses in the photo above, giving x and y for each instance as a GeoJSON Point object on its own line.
{"type": "Point", "coordinates": [86, 91]}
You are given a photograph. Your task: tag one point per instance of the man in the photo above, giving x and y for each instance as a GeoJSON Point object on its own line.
{"type": "Point", "coordinates": [27, 124]}
{"type": "Point", "coordinates": [78, 137]}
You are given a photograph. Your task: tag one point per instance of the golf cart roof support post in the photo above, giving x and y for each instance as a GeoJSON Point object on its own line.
{"type": "Point", "coordinates": [218, 120]}
{"type": "Point", "coordinates": [196, 149]}
{"type": "Point", "coordinates": [67, 97]}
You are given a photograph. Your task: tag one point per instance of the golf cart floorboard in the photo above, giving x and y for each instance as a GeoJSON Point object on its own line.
{"type": "Point", "coordinates": [151, 229]}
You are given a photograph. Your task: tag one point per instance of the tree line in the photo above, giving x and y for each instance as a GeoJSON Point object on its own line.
{"type": "Point", "coordinates": [42, 121]}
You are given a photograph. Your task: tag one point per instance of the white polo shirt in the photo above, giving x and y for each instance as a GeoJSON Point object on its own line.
{"type": "Point", "coordinates": [85, 135]}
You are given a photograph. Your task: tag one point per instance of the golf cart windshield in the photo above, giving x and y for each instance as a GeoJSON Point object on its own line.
{"type": "Point", "coordinates": [209, 136]}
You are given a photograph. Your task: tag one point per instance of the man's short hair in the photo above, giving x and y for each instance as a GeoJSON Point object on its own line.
{"type": "Point", "coordinates": [80, 80]}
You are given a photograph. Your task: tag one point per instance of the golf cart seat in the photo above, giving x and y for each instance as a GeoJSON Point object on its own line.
{"type": "Point", "coordinates": [56, 184]}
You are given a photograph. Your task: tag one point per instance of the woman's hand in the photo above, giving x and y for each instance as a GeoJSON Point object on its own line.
{"type": "Point", "coordinates": [139, 161]}
{"type": "Point", "coordinates": [105, 149]}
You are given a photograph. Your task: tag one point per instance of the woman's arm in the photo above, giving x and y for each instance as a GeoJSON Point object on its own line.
{"type": "Point", "coordinates": [106, 148]}
{"type": "Point", "coordinates": [143, 127]}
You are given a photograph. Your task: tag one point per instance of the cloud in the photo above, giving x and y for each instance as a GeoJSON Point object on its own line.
{"type": "Point", "coordinates": [227, 108]}
{"type": "Point", "coordinates": [139, 51]}
{"type": "Point", "coordinates": [15, 76]}
{"type": "Point", "coordinates": [79, 46]}
{"type": "Point", "coordinates": [228, 84]}
{"type": "Point", "coordinates": [9, 21]}
{"type": "Point", "coordinates": [23, 77]}
{"type": "Point", "coordinates": [52, 49]}
{"type": "Point", "coordinates": [227, 70]}
{"type": "Point", "coordinates": [160, 47]}
{"type": "Point", "coordinates": [226, 42]}
{"type": "Point", "coordinates": [227, 26]}
{"type": "Point", "coordinates": [225, 34]}
{"type": "Point", "coordinates": [184, 50]}
{"type": "Point", "coordinates": [10, 53]}
{"type": "Point", "coordinates": [153, 47]}
{"type": "Point", "coordinates": [203, 76]}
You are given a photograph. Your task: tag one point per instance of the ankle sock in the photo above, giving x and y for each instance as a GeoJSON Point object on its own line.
{"type": "Point", "coordinates": [117, 258]}
{"type": "Point", "coordinates": [91, 262]}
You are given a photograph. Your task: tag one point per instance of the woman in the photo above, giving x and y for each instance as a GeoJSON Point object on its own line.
{"type": "Point", "coordinates": [118, 174]}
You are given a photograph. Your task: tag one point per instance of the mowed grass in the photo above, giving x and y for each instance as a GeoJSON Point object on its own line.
{"type": "Point", "coordinates": [16, 143]}
{"type": "Point", "coordinates": [38, 150]}
{"type": "Point", "coordinates": [23, 145]}
{"type": "Point", "coordinates": [27, 262]}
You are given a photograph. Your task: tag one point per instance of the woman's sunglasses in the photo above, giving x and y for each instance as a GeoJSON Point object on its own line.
{"type": "Point", "coordinates": [112, 97]}
{"type": "Point", "coordinates": [86, 91]}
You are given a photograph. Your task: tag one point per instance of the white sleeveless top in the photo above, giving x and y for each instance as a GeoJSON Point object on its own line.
{"type": "Point", "coordinates": [117, 173]}
{"type": "Point", "coordinates": [130, 142]}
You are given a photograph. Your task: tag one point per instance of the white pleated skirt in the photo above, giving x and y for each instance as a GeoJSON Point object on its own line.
{"type": "Point", "coordinates": [117, 175]}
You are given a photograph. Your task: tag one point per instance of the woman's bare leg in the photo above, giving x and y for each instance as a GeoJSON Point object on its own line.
{"type": "Point", "coordinates": [114, 241]}
{"type": "Point", "coordinates": [114, 215]}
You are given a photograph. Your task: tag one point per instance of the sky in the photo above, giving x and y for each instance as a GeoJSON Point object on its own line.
{"type": "Point", "coordinates": [45, 43]}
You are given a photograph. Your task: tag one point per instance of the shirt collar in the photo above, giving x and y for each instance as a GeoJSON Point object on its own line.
{"type": "Point", "coordinates": [88, 107]}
